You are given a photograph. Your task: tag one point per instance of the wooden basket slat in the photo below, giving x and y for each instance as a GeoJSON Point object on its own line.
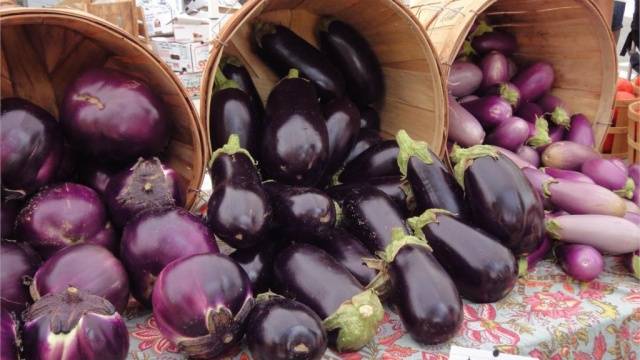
{"type": "Point", "coordinates": [633, 136]}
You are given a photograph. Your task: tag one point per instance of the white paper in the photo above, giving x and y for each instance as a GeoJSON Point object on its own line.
{"type": "Point", "coordinates": [461, 353]}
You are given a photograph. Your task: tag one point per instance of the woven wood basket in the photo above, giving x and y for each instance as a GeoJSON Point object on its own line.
{"type": "Point", "coordinates": [634, 133]}
{"type": "Point", "coordinates": [616, 135]}
{"type": "Point", "coordinates": [636, 87]}
{"type": "Point", "coordinates": [415, 95]}
{"type": "Point", "coordinates": [44, 49]}
{"type": "Point", "coordinates": [571, 34]}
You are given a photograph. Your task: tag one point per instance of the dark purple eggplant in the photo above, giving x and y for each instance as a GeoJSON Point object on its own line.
{"type": "Point", "coordinates": [343, 125]}
{"type": "Point", "coordinates": [257, 262]}
{"type": "Point", "coordinates": [507, 91]}
{"type": "Point", "coordinates": [432, 184]}
{"type": "Point", "coordinates": [513, 68]}
{"type": "Point", "coordinates": [490, 110]}
{"type": "Point", "coordinates": [350, 313]}
{"type": "Point", "coordinates": [369, 118]}
{"type": "Point", "coordinates": [396, 187]}
{"type": "Point", "coordinates": [366, 138]}
{"type": "Point", "coordinates": [302, 210]}
{"type": "Point", "coordinates": [283, 329]}
{"type": "Point", "coordinates": [510, 135]}
{"type": "Point", "coordinates": [495, 69]}
{"type": "Point", "coordinates": [556, 108]}
{"type": "Point", "coordinates": [97, 176]}
{"type": "Point", "coordinates": [9, 211]}
{"type": "Point", "coordinates": [232, 162]}
{"type": "Point", "coordinates": [234, 70]}
{"type": "Point", "coordinates": [530, 112]}
{"type": "Point", "coordinates": [581, 131]}
{"type": "Point", "coordinates": [231, 112]}
{"type": "Point", "coordinates": [283, 49]}
{"type": "Point", "coordinates": [534, 81]}
{"type": "Point", "coordinates": [348, 251]}
{"type": "Point", "coordinates": [495, 40]}
{"type": "Point", "coordinates": [353, 55]}
{"type": "Point", "coordinates": [295, 144]}
{"type": "Point", "coordinates": [502, 200]}
{"type": "Point", "coordinates": [379, 160]}
{"type": "Point", "coordinates": [483, 270]}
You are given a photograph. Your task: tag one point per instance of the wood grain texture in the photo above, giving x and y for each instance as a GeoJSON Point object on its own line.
{"type": "Point", "coordinates": [633, 138]}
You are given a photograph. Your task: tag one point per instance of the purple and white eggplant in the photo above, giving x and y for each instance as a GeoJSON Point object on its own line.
{"type": "Point", "coordinates": [495, 69]}
{"type": "Point", "coordinates": [583, 198]}
{"type": "Point", "coordinates": [609, 234]}
{"type": "Point", "coordinates": [534, 81]}
{"type": "Point", "coordinates": [464, 128]}
{"type": "Point", "coordinates": [556, 108]}
{"type": "Point", "coordinates": [571, 175]}
{"type": "Point", "coordinates": [568, 155]}
{"type": "Point", "coordinates": [608, 174]}
{"type": "Point", "coordinates": [464, 78]}
{"type": "Point", "coordinates": [490, 110]}
{"type": "Point", "coordinates": [581, 131]}
{"type": "Point", "coordinates": [510, 135]}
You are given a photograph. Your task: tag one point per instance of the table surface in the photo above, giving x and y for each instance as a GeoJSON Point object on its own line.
{"type": "Point", "coordinates": [546, 316]}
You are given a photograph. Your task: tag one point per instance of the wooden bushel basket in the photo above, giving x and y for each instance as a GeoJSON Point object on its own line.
{"type": "Point", "coordinates": [45, 49]}
{"type": "Point", "coordinates": [634, 133]}
{"type": "Point", "coordinates": [415, 95]}
{"type": "Point", "coordinates": [570, 34]}
{"type": "Point", "coordinates": [619, 132]}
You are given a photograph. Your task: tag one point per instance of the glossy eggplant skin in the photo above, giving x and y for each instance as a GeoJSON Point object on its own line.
{"type": "Point", "coordinates": [504, 203]}
{"type": "Point", "coordinates": [435, 187]}
{"type": "Point", "coordinates": [227, 167]}
{"type": "Point", "coordinates": [350, 51]}
{"type": "Point", "coordinates": [348, 251]}
{"type": "Point", "coordinates": [284, 50]}
{"type": "Point", "coordinates": [233, 69]}
{"type": "Point", "coordinates": [301, 210]}
{"type": "Point", "coordinates": [231, 112]}
{"type": "Point", "coordinates": [257, 262]}
{"type": "Point", "coordinates": [369, 118]}
{"type": "Point", "coordinates": [425, 297]}
{"type": "Point", "coordinates": [394, 186]}
{"type": "Point", "coordinates": [366, 138]}
{"type": "Point", "coordinates": [295, 143]}
{"type": "Point", "coordinates": [371, 215]}
{"type": "Point", "coordinates": [483, 270]}
{"type": "Point", "coordinates": [343, 125]}
{"type": "Point", "coordinates": [284, 329]}
{"type": "Point", "coordinates": [379, 160]}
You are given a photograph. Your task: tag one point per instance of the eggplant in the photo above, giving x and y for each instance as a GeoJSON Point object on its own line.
{"type": "Point", "coordinates": [348, 251]}
{"type": "Point", "coordinates": [301, 210]}
{"type": "Point", "coordinates": [495, 69]}
{"type": "Point", "coordinates": [396, 187]}
{"type": "Point", "coordinates": [528, 154]}
{"type": "Point", "coordinates": [366, 138]}
{"type": "Point", "coordinates": [468, 98]}
{"type": "Point", "coordinates": [581, 131]}
{"type": "Point", "coordinates": [537, 179]}
{"type": "Point", "coordinates": [557, 110]}
{"type": "Point", "coordinates": [581, 262]}
{"type": "Point", "coordinates": [343, 124]}
{"type": "Point", "coordinates": [232, 162]}
{"type": "Point", "coordinates": [281, 329]}
{"type": "Point", "coordinates": [231, 112]}
{"type": "Point", "coordinates": [568, 175]}
{"type": "Point", "coordinates": [295, 144]}
{"type": "Point", "coordinates": [495, 40]}
{"type": "Point", "coordinates": [379, 160]}
{"type": "Point", "coordinates": [513, 68]}
{"type": "Point", "coordinates": [352, 54]}
{"type": "Point", "coordinates": [510, 135]}
{"type": "Point", "coordinates": [464, 78]}
{"type": "Point", "coordinates": [369, 118]}
{"type": "Point", "coordinates": [568, 155]}
{"type": "Point", "coordinates": [501, 199]}
{"type": "Point", "coordinates": [483, 270]}
{"type": "Point", "coordinates": [584, 198]}
{"type": "Point", "coordinates": [283, 49]}
{"type": "Point", "coordinates": [490, 110]}
{"type": "Point", "coordinates": [507, 91]}
{"type": "Point", "coordinates": [432, 184]}
{"type": "Point", "coordinates": [528, 263]}
{"type": "Point", "coordinates": [609, 234]}
{"type": "Point", "coordinates": [531, 112]}
{"type": "Point", "coordinates": [464, 128]}
{"type": "Point", "coordinates": [257, 262]}
{"type": "Point", "coordinates": [520, 162]}
{"type": "Point", "coordinates": [610, 175]}
{"type": "Point", "coordinates": [234, 70]}
{"type": "Point", "coordinates": [556, 133]}
{"type": "Point", "coordinates": [539, 134]}
{"type": "Point", "coordinates": [351, 314]}
{"type": "Point", "coordinates": [534, 81]}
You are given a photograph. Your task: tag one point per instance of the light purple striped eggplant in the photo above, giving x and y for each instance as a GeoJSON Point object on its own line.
{"type": "Point", "coordinates": [464, 128]}
{"type": "Point", "coordinates": [510, 135]}
{"type": "Point", "coordinates": [495, 69]}
{"type": "Point", "coordinates": [633, 217]}
{"type": "Point", "coordinates": [568, 175]}
{"type": "Point", "coordinates": [581, 131]}
{"type": "Point", "coordinates": [568, 155]}
{"type": "Point", "coordinates": [556, 108]}
{"type": "Point", "coordinates": [583, 198]}
{"type": "Point", "coordinates": [464, 78]}
{"type": "Point", "coordinates": [528, 154]}
{"type": "Point", "coordinates": [609, 175]}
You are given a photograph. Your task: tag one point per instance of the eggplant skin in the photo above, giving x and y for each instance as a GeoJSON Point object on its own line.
{"type": "Point", "coordinates": [425, 297]}
{"type": "Point", "coordinates": [343, 125]}
{"type": "Point", "coordinates": [504, 203]}
{"type": "Point", "coordinates": [379, 160]}
{"type": "Point", "coordinates": [235, 71]}
{"type": "Point", "coordinates": [369, 118]}
{"type": "Point", "coordinates": [228, 167]}
{"type": "Point", "coordinates": [366, 138]}
{"type": "Point", "coordinates": [231, 112]}
{"type": "Point", "coordinates": [257, 262]}
{"type": "Point", "coordinates": [394, 186]}
{"type": "Point", "coordinates": [284, 329]}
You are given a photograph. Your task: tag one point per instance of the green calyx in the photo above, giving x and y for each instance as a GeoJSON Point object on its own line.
{"type": "Point", "coordinates": [357, 321]}
{"type": "Point", "coordinates": [467, 49]}
{"type": "Point", "coordinates": [541, 137]}
{"type": "Point", "coordinates": [523, 266]}
{"type": "Point", "coordinates": [399, 239]}
{"type": "Point", "coordinates": [635, 265]}
{"type": "Point", "coordinates": [221, 82]}
{"type": "Point", "coordinates": [546, 187]}
{"type": "Point", "coordinates": [293, 74]}
{"type": "Point", "coordinates": [481, 29]}
{"type": "Point", "coordinates": [560, 117]}
{"type": "Point", "coordinates": [338, 211]}
{"type": "Point", "coordinates": [266, 296]}
{"type": "Point", "coordinates": [261, 29]}
{"type": "Point", "coordinates": [627, 191]}
{"type": "Point", "coordinates": [463, 158]}
{"type": "Point", "coordinates": [553, 229]}
{"type": "Point", "coordinates": [408, 148]}
{"type": "Point", "coordinates": [429, 216]}
{"type": "Point", "coordinates": [231, 147]}
{"type": "Point", "coordinates": [410, 198]}
{"type": "Point", "coordinates": [230, 60]}
{"type": "Point", "coordinates": [509, 94]}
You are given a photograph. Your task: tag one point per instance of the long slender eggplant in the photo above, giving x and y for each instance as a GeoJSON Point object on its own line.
{"type": "Point", "coordinates": [348, 251]}
{"type": "Point", "coordinates": [534, 81]}
{"type": "Point", "coordinates": [568, 155]}
{"type": "Point", "coordinates": [584, 198]}
{"type": "Point", "coordinates": [351, 53]}
{"type": "Point", "coordinates": [283, 49]}
{"type": "Point", "coordinates": [231, 112]}
{"type": "Point", "coordinates": [502, 200]}
{"type": "Point", "coordinates": [396, 187]}
{"type": "Point", "coordinates": [257, 262]}
{"type": "Point", "coordinates": [369, 118]}
{"type": "Point", "coordinates": [379, 160]}
{"type": "Point", "coordinates": [350, 313]}
{"type": "Point", "coordinates": [581, 131]}
{"type": "Point", "coordinates": [490, 110]}
{"type": "Point", "coordinates": [232, 162]}
{"type": "Point", "coordinates": [609, 234]}
{"type": "Point", "coordinates": [483, 270]}
{"type": "Point", "coordinates": [343, 125]}
{"type": "Point", "coordinates": [432, 184]}
{"type": "Point", "coordinates": [234, 70]}
{"type": "Point", "coordinates": [295, 146]}
{"type": "Point", "coordinates": [366, 138]}
{"type": "Point", "coordinates": [501, 41]}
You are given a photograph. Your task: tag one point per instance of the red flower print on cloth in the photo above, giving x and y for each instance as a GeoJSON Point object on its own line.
{"type": "Point", "coordinates": [634, 296]}
{"type": "Point", "coordinates": [595, 290]}
{"type": "Point", "coordinates": [599, 347]}
{"type": "Point", "coordinates": [394, 352]}
{"type": "Point", "coordinates": [480, 326]}
{"type": "Point", "coordinates": [553, 305]}
{"type": "Point", "coordinates": [431, 356]}
{"type": "Point", "coordinates": [151, 338]}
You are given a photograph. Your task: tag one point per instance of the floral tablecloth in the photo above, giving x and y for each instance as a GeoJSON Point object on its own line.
{"type": "Point", "coordinates": [547, 316]}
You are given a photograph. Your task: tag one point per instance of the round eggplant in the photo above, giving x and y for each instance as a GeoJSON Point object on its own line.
{"type": "Point", "coordinates": [348, 251]}
{"type": "Point", "coordinates": [343, 125]}
{"type": "Point", "coordinates": [366, 138]}
{"type": "Point", "coordinates": [232, 162]}
{"type": "Point", "coordinates": [369, 118]}
{"type": "Point", "coordinates": [234, 70]}
{"type": "Point", "coordinates": [257, 262]}
{"type": "Point", "coordinates": [379, 160]}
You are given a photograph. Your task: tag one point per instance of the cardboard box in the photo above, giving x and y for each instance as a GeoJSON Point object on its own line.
{"type": "Point", "coordinates": [191, 83]}
{"type": "Point", "coordinates": [191, 29]}
{"type": "Point", "coordinates": [182, 57]}
{"type": "Point", "coordinates": [158, 19]}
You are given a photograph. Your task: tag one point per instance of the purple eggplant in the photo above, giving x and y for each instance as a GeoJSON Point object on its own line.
{"type": "Point", "coordinates": [632, 207]}
{"type": "Point", "coordinates": [556, 108]}
{"type": "Point", "coordinates": [343, 125]}
{"type": "Point", "coordinates": [621, 164]}
{"type": "Point", "coordinates": [490, 110]}
{"type": "Point", "coordinates": [295, 144]}
{"type": "Point", "coordinates": [534, 81]}
{"type": "Point", "coordinates": [495, 40]}
{"type": "Point", "coordinates": [97, 177]}
{"type": "Point", "coordinates": [231, 112]}
{"type": "Point", "coordinates": [568, 155]}
{"type": "Point", "coordinates": [556, 133]}
{"type": "Point", "coordinates": [366, 138]}
{"type": "Point", "coordinates": [257, 262]}
{"type": "Point", "coordinates": [468, 98]}
{"type": "Point", "coordinates": [520, 162]}
{"type": "Point", "coordinates": [584, 198]}
{"type": "Point", "coordinates": [507, 91]}
{"type": "Point", "coordinates": [379, 160]}
{"type": "Point", "coordinates": [513, 68]}
{"type": "Point", "coordinates": [634, 174]}
{"type": "Point", "coordinates": [352, 54]}
{"type": "Point", "coordinates": [350, 313]}
{"type": "Point", "coordinates": [537, 179]}
{"type": "Point", "coordinates": [581, 262]}
{"type": "Point", "coordinates": [432, 184]}
{"type": "Point", "coordinates": [609, 234]}
{"type": "Point", "coordinates": [283, 49]}
{"type": "Point", "coordinates": [282, 329]}
{"type": "Point", "coordinates": [495, 69]}
{"type": "Point", "coordinates": [502, 201]}
{"type": "Point", "coordinates": [528, 263]}
{"type": "Point", "coordinates": [9, 335]}
{"type": "Point", "coordinates": [510, 135]}
{"type": "Point", "coordinates": [611, 176]}
{"type": "Point", "coordinates": [528, 154]}
{"type": "Point", "coordinates": [18, 264]}
{"type": "Point", "coordinates": [483, 270]}
{"type": "Point", "coordinates": [464, 128]}
{"type": "Point", "coordinates": [232, 162]}
{"type": "Point", "coordinates": [568, 175]}
{"type": "Point", "coordinates": [396, 187]}
{"type": "Point", "coordinates": [464, 78]}
{"type": "Point", "coordinates": [233, 69]}
{"type": "Point", "coordinates": [9, 210]}
{"type": "Point", "coordinates": [581, 131]}
{"type": "Point", "coordinates": [539, 134]}
{"type": "Point", "coordinates": [530, 112]}
{"type": "Point", "coordinates": [369, 118]}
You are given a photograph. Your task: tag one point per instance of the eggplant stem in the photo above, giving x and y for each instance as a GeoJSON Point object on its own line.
{"type": "Point", "coordinates": [221, 82]}
{"type": "Point", "coordinates": [509, 95]}
{"type": "Point", "coordinates": [293, 73]}
{"type": "Point", "coordinates": [408, 148]}
{"type": "Point", "coordinates": [231, 147]}
{"type": "Point", "coordinates": [481, 29]}
{"type": "Point", "coordinates": [546, 187]}
{"type": "Point", "coordinates": [339, 214]}
{"type": "Point", "coordinates": [560, 117]}
{"type": "Point", "coordinates": [399, 239]}
{"type": "Point", "coordinates": [416, 223]}
{"type": "Point", "coordinates": [90, 99]}
{"type": "Point", "coordinates": [553, 229]}
{"type": "Point", "coordinates": [628, 189]}
{"type": "Point", "coordinates": [230, 60]}
{"type": "Point", "coordinates": [268, 295]}
{"type": "Point", "coordinates": [301, 349]}
{"type": "Point", "coordinates": [463, 158]}
{"type": "Point", "coordinates": [523, 266]}
{"type": "Point", "coordinates": [541, 138]}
